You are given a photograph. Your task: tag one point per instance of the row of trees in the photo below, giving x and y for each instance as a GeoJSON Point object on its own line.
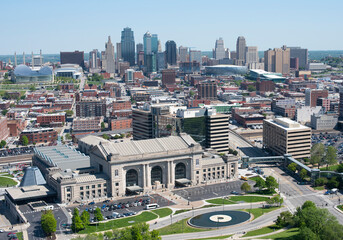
{"type": "Point", "coordinates": [136, 232]}
{"type": "Point", "coordinates": [321, 155]}
{"type": "Point", "coordinates": [314, 223]}
{"type": "Point", "coordinates": [80, 222]}
{"type": "Point", "coordinates": [293, 167]}
{"type": "Point", "coordinates": [269, 184]}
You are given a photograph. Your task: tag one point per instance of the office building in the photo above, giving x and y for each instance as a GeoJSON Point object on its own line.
{"type": "Point", "coordinates": [128, 46]}
{"type": "Point", "coordinates": [160, 61]}
{"type": "Point", "coordinates": [90, 108]}
{"type": "Point", "coordinates": [109, 56]}
{"type": "Point", "coordinates": [301, 54]}
{"type": "Point", "coordinates": [118, 56]}
{"type": "Point", "coordinates": [87, 124]}
{"type": "Point", "coordinates": [168, 77]}
{"type": "Point", "coordinates": [284, 136]}
{"type": "Point", "coordinates": [277, 60]}
{"type": "Point", "coordinates": [171, 55]}
{"type": "Point", "coordinates": [217, 132]}
{"type": "Point", "coordinates": [219, 49]}
{"type": "Point", "coordinates": [129, 75]}
{"type": "Point", "coordinates": [39, 135]}
{"type": "Point", "coordinates": [142, 124]}
{"type": "Point", "coordinates": [340, 107]}
{"type": "Point", "coordinates": [323, 121]}
{"type": "Point", "coordinates": [51, 119]}
{"type": "Point", "coordinates": [4, 130]}
{"type": "Point", "coordinates": [139, 49]}
{"type": "Point", "coordinates": [207, 90]}
{"type": "Point", "coordinates": [251, 55]}
{"type": "Point", "coordinates": [312, 95]}
{"type": "Point", "coordinates": [183, 54]}
{"type": "Point", "coordinates": [93, 59]}
{"type": "Point", "coordinates": [195, 55]}
{"type": "Point", "coordinates": [150, 42]}
{"type": "Point", "coordinates": [121, 123]}
{"type": "Point", "coordinates": [76, 57]}
{"type": "Point", "coordinates": [240, 50]}
{"type": "Point", "coordinates": [294, 63]}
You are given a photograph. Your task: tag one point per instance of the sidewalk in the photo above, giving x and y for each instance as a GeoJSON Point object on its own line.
{"type": "Point", "coordinates": [181, 203]}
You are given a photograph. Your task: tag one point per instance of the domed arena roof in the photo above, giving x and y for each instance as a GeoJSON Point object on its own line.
{"type": "Point", "coordinates": [22, 70]}
{"type": "Point", "coordinates": [45, 71]}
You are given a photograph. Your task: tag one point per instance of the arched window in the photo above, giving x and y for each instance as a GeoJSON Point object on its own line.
{"type": "Point", "coordinates": [180, 171]}
{"type": "Point", "coordinates": [156, 175]}
{"type": "Point", "coordinates": [131, 178]}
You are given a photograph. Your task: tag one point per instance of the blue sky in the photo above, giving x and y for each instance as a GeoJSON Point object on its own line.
{"type": "Point", "coordinates": [84, 25]}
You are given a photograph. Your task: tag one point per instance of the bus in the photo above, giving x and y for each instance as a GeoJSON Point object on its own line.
{"type": "Point", "coordinates": [151, 206]}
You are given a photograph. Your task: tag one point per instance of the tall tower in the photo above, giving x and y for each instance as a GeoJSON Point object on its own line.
{"type": "Point", "coordinates": [15, 59]}
{"type": "Point", "coordinates": [128, 46]}
{"type": "Point", "coordinates": [150, 42]}
{"type": "Point", "coordinates": [171, 52]}
{"type": "Point", "coordinates": [277, 60]}
{"type": "Point", "coordinates": [240, 50]}
{"type": "Point", "coordinates": [109, 56]}
{"type": "Point", "coordinates": [219, 50]}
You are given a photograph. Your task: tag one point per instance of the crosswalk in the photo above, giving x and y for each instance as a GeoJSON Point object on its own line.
{"type": "Point", "coordinates": [36, 211]}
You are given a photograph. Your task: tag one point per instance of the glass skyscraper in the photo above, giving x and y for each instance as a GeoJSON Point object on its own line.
{"type": "Point", "coordinates": [150, 42]}
{"type": "Point", "coordinates": [128, 46]}
{"type": "Point", "coordinates": [171, 52]}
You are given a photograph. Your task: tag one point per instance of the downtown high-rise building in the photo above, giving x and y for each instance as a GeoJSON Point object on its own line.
{"type": "Point", "coordinates": [183, 54]}
{"type": "Point", "coordinates": [301, 54]}
{"type": "Point", "coordinates": [171, 52]}
{"type": "Point", "coordinates": [277, 60]}
{"type": "Point", "coordinates": [219, 49]}
{"type": "Point", "coordinates": [251, 55]}
{"type": "Point", "coordinates": [195, 55]}
{"type": "Point", "coordinates": [109, 56]}
{"type": "Point", "coordinates": [118, 56]}
{"type": "Point", "coordinates": [150, 42]}
{"type": "Point", "coordinates": [128, 46]}
{"type": "Point", "coordinates": [139, 48]}
{"type": "Point", "coordinates": [240, 50]}
{"type": "Point", "coordinates": [93, 59]}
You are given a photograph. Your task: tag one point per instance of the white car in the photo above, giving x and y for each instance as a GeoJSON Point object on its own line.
{"type": "Point", "coordinates": [1, 230]}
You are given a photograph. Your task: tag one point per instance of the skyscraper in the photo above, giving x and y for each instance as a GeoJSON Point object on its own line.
{"type": "Point", "coordinates": [183, 53]}
{"type": "Point", "coordinates": [93, 59]}
{"type": "Point", "coordinates": [118, 56]}
{"type": "Point", "coordinates": [150, 49]}
{"type": "Point", "coordinates": [128, 46]}
{"type": "Point", "coordinates": [139, 48]}
{"type": "Point", "coordinates": [240, 49]}
{"type": "Point", "coordinates": [70, 57]}
{"type": "Point", "coordinates": [251, 55]}
{"type": "Point", "coordinates": [277, 60]}
{"type": "Point", "coordinates": [195, 55]}
{"type": "Point", "coordinates": [301, 54]}
{"type": "Point", "coordinates": [171, 52]}
{"type": "Point", "coordinates": [219, 50]}
{"type": "Point", "coordinates": [109, 56]}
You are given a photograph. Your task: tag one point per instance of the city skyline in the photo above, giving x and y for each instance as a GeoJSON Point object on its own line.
{"type": "Point", "coordinates": [291, 25]}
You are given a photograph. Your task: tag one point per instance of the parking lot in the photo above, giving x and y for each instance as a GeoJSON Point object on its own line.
{"type": "Point", "coordinates": [210, 191]}
{"type": "Point", "coordinates": [330, 139]}
{"type": "Point", "coordinates": [16, 151]}
{"type": "Point", "coordinates": [124, 207]}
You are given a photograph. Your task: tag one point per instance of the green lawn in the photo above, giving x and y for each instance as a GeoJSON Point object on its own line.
{"type": "Point", "coordinates": [288, 234]}
{"type": "Point", "coordinates": [254, 178]}
{"type": "Point", "coordinates": [249, 199]}
{"type": "Point", "coordinates": [214, 238]}
{"type": "Point", "coordinates": [163, 212]}
{"type": "Point", "coordinates": [262, 231]}
{"type": "Point", "coordinates": [319, 188]}
{"type": "Point", "coordinates": [340, 207]}
{"type": "Point", "coordinates": [330, 168]}
{"type": "Point", "coordinates": [119, 223]}
{"type": "Point", "coordinates": [19, 235]}
{"type": "Point", "coordinates": [181, 211]}
{"type": "Point", "coordinates": [220, 201]}
{"type": "Point", "coordinates": [6, 175]}
{"type": "Point", "coordinates": [7, 182]}
{"type": "Point", "coordinates": [207, 206]}
{"type": "Point", "coordinates": [258, 212]}
{"type": "Point", "coordinates": [263, 192]}
{"type": "Point", "coordinates": [179, 227]}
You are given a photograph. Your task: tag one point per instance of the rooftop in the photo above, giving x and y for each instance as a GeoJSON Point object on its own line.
{"type": "Point", "coordinates": [287, 124]}
{"type": "Point", "coordinates": [63, 157]}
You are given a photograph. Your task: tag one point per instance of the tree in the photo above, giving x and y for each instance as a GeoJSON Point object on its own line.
{"type": "Point", "coordinates": [85, 218]}
{"type": "Point", "coordinates": [69, 113]}
{"type": "Point", "coordinates": [285, 219]}
{"type": "Point", "coordinates": [340, 168]}
{"type": "Point", "coordinates": [105, 136]}
{"type": "Point", "coordinates": [303, 173]}
{"type": "Point", "coordinates": [271, 183]}
{"type": "Point", "coordinates": [169, 127]}
{"type": "Point", "coordinates": [245, 187]}
{"type": "Point", "coordinates": [332, 183]}
{"type": "Point", "coordinates": [98, 214]}
{"type": "Point", "coordinates": [68, 136]}
{"type": "Point", "coordinates": [48, 222]}
{"type": "Point", "coordinates": [308, 204]}
{"type": "Point", "coordinates": [235, 152]}
{"type": "Point", "coordinates": [4, 112]}
{"type": "Point", "coordinates": [260, 183]}
{"type": "Point", "coordinates": [102, 125]}
{"type": "Point", "coordinates": [3, 143]}
{"type": "Point", "coordinates": [320, 181]}
{"type": "Point", "coordinates": [24, 140]}
{"type": "Point", "coordinates": [317, 154]}
{"type": "Point", "coordinates": [77, 223]}
{"type": "Point", "coordinates": [292, 167]}
{"type": "Point", "coordinates": [251, 88]}
{"type": "Point", "coordinates": [330, 156]}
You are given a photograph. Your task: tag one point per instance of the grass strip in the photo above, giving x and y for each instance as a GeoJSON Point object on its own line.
{"type": "Point", "coordinates": [163, 212]}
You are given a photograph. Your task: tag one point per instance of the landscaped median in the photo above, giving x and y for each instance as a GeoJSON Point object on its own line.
{"type": "Point", "coordinates": [237, 199]}
{"type": "Point", "coordinates": [285, 234]}
{"type": "Point", "coordinates": [145, 216]}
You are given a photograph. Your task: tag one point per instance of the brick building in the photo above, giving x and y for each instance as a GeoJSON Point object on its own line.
{"type": "Point", "coordinates": [48, 119]}
{"type": "Point", "coordinates": [87, 124]}
{"type": "Point", "coordinates": [168, 77]}
{"type": "Point", "coordinates": [4, 131]}
{"type": "Point", "coordinates": [121, 105]}
{"type": "Point", "coordinates": [91, 108]}
{"type": "Point", "coordinates": [40, 135]}
{"type": "Point", "coordinates": [207, 90]}
{"type": "Point", "coordinates": [4, 105]}
{"type": "Point", "coordinates": [265, 86]}
{"type": "Point", "coordinates": [15, 127]}
{"type": "Point", "coordinates": [121, 123]}
{"type": "Point", "coordinates": [311, 96]}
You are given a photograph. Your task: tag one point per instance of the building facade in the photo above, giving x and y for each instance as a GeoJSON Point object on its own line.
{"type": "Point", "coordinates": [128, 46]}
{"type": "Point", "coordinates": [284, 136]}
{"type": "Point", "coordinates": [171, 55]}
{"type": "Point", "coordinates": [90, 108]}
{"type": "Point", "coordinates": [48, 119]}
{"type": "Point", "coordinates": [39, 135]}
{"type": "Point", "coordinates": [277, 60]}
